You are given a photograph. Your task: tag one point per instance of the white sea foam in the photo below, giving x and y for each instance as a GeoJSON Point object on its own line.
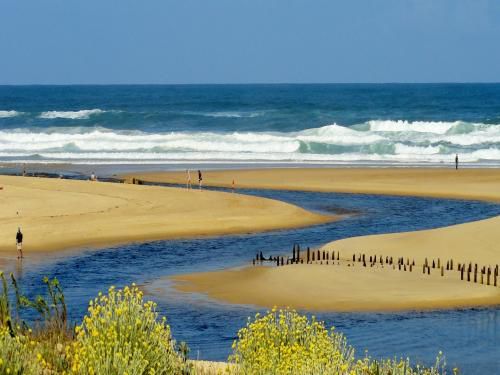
{"type": "Point", "coordinates": [331, 143]}
{"type": "Point", "coordinates": [73, 115]}
{"type": "Point", "coordinates": [436, 127]}
{"type": "Point", "coordinates": [6, 114]}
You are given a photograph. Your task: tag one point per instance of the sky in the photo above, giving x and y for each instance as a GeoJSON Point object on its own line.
{"type": "Point", "coordinates": [248, 41]}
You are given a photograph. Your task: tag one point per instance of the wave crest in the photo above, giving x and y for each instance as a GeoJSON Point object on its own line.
{"type": "Point", "coordinates": [73, 115]}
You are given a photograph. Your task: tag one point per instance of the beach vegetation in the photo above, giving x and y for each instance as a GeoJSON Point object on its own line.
{"type": "Point", "coordinates": [123, 334]}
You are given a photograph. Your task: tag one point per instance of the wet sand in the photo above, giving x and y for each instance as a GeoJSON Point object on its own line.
{"type": "Point", "coordinates": [342, 288]}
{"type": "Point", "coordinates": [59, 214]}
{"type": "Point", "coordinates": [339, 288]}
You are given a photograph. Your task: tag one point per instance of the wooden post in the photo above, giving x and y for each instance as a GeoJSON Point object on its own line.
{"type": "Point", "coordinates": [447, 265]}
{"type": "Point", "coordinates": [298, 253]}
{"type": "Point", "coordinates": [423, 269]}
{"type": "Point", "coordinates": [439, 263]}
{"type": "Point", "coordinates": [411, 267]}
{"type": "Point", "coordinates": [308, 255]}
{"type": "Point", "coordinates": [428, 270]}
{"type": "Point", "coordinates": [482, 277]}
{"type": "Point", "coordinates": [442, 270]}
{"type": "Point", "coordinates": [338, 255]}
{"type": "Point", "coordinates": [353, 258]}
{"type": "Point", "coordinates": [462, 273]}
{"type": "Point", "coordinates": [488, 276]}
{"type": "Point", "coordinates": [475, 273]}
{"type": "Point", "coordinates": [324, 255]}
{"type": "Point", "coordinates": [318, 255]}
{"type": "Point", "coordinates": [433, 264]}
{"type": "Point", "coordinates": [468, 274]}
{"type": "Point", "coordinates": [282, 261]}
{"type": "Point", "coordinates": [293, 254]}
{"type": "Point", "coordinates": [313, 256]}
{"type": "Point", "coordinates": [451, 264]}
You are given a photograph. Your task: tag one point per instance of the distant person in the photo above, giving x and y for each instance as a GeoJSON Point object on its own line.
{"type": "Point", "coordinates": [200, 179]}
{"type": "Point", "coordinates": [456, 161]}
{"type": "Point", "coordinates": [19, 243]}
{"type": "Point", "coordinates": [233, 186]}
{"type": "Point", "coordinates": [188, 177]}
{"type": "Point", "coordinates": [93, 177]}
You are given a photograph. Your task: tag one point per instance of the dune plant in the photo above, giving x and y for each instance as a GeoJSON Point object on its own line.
{"type": "Point", "coordinates": [121, 334]}
{"type": "Point", "coordinates": [284, 342]}
{"type": "Point", "coordinates": [16, 354]}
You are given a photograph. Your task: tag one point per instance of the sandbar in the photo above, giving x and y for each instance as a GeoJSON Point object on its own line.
{"type": "Point", "coordinates": [346, 288]}
{"type": "Point", "coordinates": [59, 214]}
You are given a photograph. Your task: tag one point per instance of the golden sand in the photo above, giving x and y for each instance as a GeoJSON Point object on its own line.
{"type": "Point", "coordinates": [483, 184]}
{"type": "Point", "coordinates": [339, 288]}
{"type": "Point", "coordinates": [57, 214]}
{"type": "Point", "coordinates": [343, 288]}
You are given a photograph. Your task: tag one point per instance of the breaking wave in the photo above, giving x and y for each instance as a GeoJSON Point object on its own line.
{"type": "Point", "coordinates": [373, 141]}
{"type": "Point", "coordinates": [73, 115]}
{"type": "Point", "coordinates": [7, 114]}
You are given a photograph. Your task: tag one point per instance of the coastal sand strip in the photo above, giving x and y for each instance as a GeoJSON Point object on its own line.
{"type": "Point", "coordinates": [57, 214]}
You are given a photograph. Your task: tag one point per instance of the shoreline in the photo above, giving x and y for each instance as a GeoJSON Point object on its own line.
{"type": "Point", "coordinates": [467, 183]}
{"type": "Point", "coordinates": [61, 214]}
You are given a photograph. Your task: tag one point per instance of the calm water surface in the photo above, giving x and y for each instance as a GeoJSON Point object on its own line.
{"type": "Point", "coordinates": [468, 337]}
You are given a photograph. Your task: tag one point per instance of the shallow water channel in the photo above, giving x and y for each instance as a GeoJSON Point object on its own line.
{"type": "Point", "coordinates": [468, 337]}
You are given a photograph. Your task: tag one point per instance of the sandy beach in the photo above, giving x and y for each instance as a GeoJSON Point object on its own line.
{"type": "Point", "coordinates": [339, 288]}
{"type": "Point", "coordinates": [57, 214]}
{"type": "Point", "coordinates": [481, 184]}
{"type": "Point", "coordinates": [343, 288]}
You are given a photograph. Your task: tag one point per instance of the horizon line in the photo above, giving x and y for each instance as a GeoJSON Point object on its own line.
{"type": "Point", "coordinates": [258, 83]}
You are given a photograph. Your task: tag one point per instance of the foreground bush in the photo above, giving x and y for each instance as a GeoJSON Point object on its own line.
{"type": "Point", "coordinates": [16, 354]}
{"type": "Point", "coordinates": [284, 342]}
{"type": "Point", "coordinates": [122, 335]}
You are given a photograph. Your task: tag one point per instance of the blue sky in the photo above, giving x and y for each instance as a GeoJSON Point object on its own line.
{"type": "Point", "coordinates": [248, 41]}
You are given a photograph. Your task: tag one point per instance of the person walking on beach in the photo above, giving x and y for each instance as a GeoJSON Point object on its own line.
{"type": "Point", "coordinates": [188, 185]}
{"type": "Point", "coordinates": [456, 161]}
{"type": "Point", "coordinates": [19, 243]}
{"type": "Point", "coordinates": [200, 179]}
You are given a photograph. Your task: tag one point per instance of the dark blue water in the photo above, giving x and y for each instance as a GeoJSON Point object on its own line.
{"type": "Point", "coordinates": [469, 338]}
{"type": "Point", "coordinates": [350, 123]}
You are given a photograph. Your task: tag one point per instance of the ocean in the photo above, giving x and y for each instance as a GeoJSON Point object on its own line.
{"type": "Point", "coordinates": [346, 124]}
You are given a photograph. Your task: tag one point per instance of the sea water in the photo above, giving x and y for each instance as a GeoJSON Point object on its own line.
{"type": "Point", "coordinates": [333, 124]}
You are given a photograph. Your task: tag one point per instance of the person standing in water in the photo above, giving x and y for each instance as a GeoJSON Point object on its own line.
{"type": "Point", "coordinates": [200, 178]}
{"type": "Point", "coordinates": [188, 175]}
{"type": "Point", "coordinates": [456, 161]}
{"type": "Point", "coordinates": [19, 243]}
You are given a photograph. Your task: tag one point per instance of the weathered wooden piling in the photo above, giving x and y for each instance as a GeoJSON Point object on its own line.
{"type": "Point", "coordinates": [338, 255]}
{"type": "Point", "coordinates": [462, 273]}
{"type": "Point", "coordinates": [313, 256]}
{"type": "Point", "coordinates": [308, 255]}
{"type": "Point", "coordinates": [451, 264]}
{"type": "Point", "coordinates": [298, 253]}
{"type": "Point", "coordinates": [439, 263]}
{"type": "Point", "coordinates": [353, 258]}
{"type": "Point", "coordinates": [433, 264]}
{"type": "Point", "coordinates": [442, 270]}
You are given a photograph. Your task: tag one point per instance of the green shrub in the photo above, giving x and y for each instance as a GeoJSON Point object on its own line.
{"type": "Point", "coordinates": [284, 342]}
{"type": "Point", "coordinates": [122, 335]}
